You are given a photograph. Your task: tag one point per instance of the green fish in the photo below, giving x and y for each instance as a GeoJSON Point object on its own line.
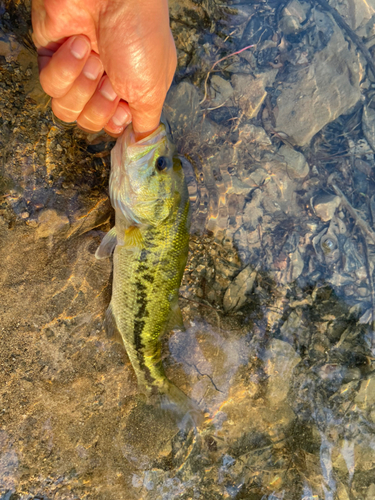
{"type": "Point", "coordinates": [150, 242]}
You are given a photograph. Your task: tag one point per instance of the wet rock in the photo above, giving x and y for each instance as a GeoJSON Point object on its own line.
{"type": "Point", "coordinates": [365, 398]}
{"type": "Point", "coordinates": [292, 16]}
{"type": "Point", "coordinates": [253, 212]}
{"type": "Point", "coordinates": [223, 91]}
{"type": "Point", "coordinates": [324, 90]}
{"type": "Point", "coordinates": [236, 294]}
{"type": "Point", "coordinates": [370, 494]}
{"type": "Point", "coordinates": [280, 361]}
{"type": "Point", "coordinates": [297, 165]}
{"type": "Point", "coordinates": [354, 13]}
{"type": "Point", "coordinates": [90, 217]}
{"type": "Point", "coordinates": [368, 125]}
{"type": "Point", "coordinates": [325, 206]}
{"type": "Point", "coordinates": [9, 48]}
{"type": "Point", "coordinates": [50, 223]}
{"type": "Point", "coordinates": [296, 264]}
{"type": "Point", "coordinates": [250, 91]}
{"type": "Point", "coordinates": [326, 244]}
{"type": "Point", "coordinates": [181, 107]}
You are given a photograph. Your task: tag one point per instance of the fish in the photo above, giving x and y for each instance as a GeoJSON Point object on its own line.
{"type": "Point", "coordinates": [150, 242]}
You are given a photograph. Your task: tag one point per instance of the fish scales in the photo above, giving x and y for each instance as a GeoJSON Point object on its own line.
{"type": "Point", "coordinates": [145, 291]}
{"type": "Point", "coordinates": [150, 242]}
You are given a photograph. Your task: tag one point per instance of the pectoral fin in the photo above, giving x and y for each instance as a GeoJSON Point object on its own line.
{"type": "Point", "coordinates": [133, 238]}
{"type": "Point", "coordinates": [107, 245]}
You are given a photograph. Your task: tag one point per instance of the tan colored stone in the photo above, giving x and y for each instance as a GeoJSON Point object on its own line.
{"type": "Point", "coordinates": [50, 222]}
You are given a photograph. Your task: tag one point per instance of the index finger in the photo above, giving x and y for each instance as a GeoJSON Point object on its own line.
{"type": "Point", "coordinates": [59, 70]}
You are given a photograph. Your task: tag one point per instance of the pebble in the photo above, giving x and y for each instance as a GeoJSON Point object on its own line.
{"type": "Point", "coordinates": [368, 125]}
{"type": "Point", "coordinates": [236, 293]}
{"type": "Point", "coordinates": [223, 89]}
{"type": "Point", "coordinates": [25, 215]}
{"type": "Point", "coordinates": [32, 222]}
{"type": "Point", "coordinates": [325, 206]}
{"type": "Point", "coordinates": [297, 164]}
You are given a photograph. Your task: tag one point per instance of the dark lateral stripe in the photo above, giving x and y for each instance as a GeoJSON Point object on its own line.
{"type": "Point", "coordinates": [139, 324]}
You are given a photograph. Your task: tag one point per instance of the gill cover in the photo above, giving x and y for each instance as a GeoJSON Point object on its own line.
{"type": "Point", "coordinates": [143, 193]}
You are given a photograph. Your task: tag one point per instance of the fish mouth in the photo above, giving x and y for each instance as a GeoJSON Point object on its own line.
{"type": "Point", "coordinates": [154, 137]}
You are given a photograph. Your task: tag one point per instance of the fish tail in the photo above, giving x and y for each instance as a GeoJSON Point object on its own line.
{"type": "Point", "coordinates": [172, 398]}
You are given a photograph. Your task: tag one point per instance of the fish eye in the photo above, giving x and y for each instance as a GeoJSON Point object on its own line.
{"type": "Point", "coordinates": [161, 163]}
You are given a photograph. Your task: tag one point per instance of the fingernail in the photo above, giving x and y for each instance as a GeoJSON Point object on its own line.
{"type": "Point", "coordinates": [79, 47]}
{"type": "Point", "coordinates": [120, 117]}
{"type": "Point", "coordinates": [92, 68]}
{"type": "Point", "coordinates": [106, 89]}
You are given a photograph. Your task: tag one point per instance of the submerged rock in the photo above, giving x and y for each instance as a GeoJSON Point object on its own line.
{"type": "Point", "coordinates": [297, 165]}
{"type": "Point", "coordinates": [181, 107]}
{"type": "Point", "coordinates": [368, 125]}
{"type": "Point", "coordinates": [50, 223]}
{"type": "Point", "coordinates": [325, 206]}
{"type": "Point", "coordinates": [223, 91]}
{"type": "Point", "coordinates": [325, 89]}
{"type": "Point", "coordinates": [236, 294]}
{"type": "Point", "coordinates": [355, 13]}
{"type": "Point", "coordinates": [280, 361]}
{"type": "Point", "coordinates": [250, 91]}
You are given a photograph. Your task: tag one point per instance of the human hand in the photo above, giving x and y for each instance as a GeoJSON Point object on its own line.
{"type": "Point", "coordinates": [105, 63]}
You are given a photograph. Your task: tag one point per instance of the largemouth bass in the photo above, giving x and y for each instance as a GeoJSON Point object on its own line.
{"type": "Point", "coordinates": [150, 242]}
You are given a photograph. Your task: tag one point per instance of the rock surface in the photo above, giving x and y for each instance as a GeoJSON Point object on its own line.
{"type": "Point", "coordinates": [325, 89]}
{"type": "Point", "coordinates": [278, 361]}
{"type": "Point", "coordinates": [297, 166]}
{"type": "Point", "coordinates": [250, 91]}
{"type": "Point", "coordinates": [325, 206]}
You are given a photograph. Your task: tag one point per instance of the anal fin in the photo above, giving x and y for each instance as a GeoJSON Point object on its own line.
{"type": "Point", "coordinates": [175, 321]}
{"type": "Point", "coordinates": [111, 326]}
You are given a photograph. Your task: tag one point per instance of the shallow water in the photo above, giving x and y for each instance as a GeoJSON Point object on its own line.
{"type": "Point", "coordinates": [278, 297]}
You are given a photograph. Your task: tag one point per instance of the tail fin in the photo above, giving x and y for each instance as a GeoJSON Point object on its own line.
{"type": "Point", "coordinates": [172, 398]}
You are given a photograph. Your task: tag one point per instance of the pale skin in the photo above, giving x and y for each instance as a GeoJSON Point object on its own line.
{"type": "Point", "coordinates": [105, 63]}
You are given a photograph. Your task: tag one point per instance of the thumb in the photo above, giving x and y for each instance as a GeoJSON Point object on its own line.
{"type": "Point", "coordinates": [145, 120]}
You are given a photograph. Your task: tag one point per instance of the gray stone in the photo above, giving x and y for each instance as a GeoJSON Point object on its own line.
{"type": "Point", "coordinates": [9, 47]}
{"type": "Point", "coordinates": [325, 206]}
{"type": "Point", "coordinates": [250, 91]}
{"type": "Point", "coordinates": [296, 162]}
{"type": "Point", "coordinates": [368, 125]}
{"type": "Point", "coordinates": [292, 16]}
{"type": "Point", "coordinates": [325, 89]}
{"type": "Point", "coordinates": [297, 10]}
{"type": "Point", "coordinates": [223, 91]}
{"type": "Point", "coordinates": [355, 13]}
{"type": "Point", "coordinates": [296, 264]}
{"type": "Point", "coordinates": [181, 107]}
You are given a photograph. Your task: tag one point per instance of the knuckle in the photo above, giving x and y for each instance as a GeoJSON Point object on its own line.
{"type": "Point", "coordinates": [62, 113]}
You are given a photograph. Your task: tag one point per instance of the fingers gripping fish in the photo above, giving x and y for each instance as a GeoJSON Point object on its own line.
{"type": "Point", "coordinates": [150, 243]}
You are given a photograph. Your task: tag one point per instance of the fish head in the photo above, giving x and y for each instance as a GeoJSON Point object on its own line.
{"type": "Point", "coordinates": [147, 181]}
